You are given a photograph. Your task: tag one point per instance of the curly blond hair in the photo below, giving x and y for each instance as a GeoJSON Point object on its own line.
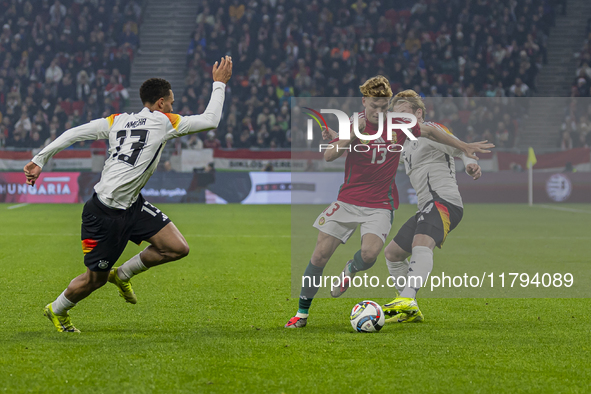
{"type": "Point", "coordinates": [378, 86]}
{"type": "Point", "coordinates": [411, 97]}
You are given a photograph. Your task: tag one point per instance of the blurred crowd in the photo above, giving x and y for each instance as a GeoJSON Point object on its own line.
{"type": "Point", "coordinates": [62, 63]}
{"type": "Point", "coordinates": [576, 128]}
{"type": "Point", "coordinates": [69, 61]}
{"type": "Point", "coordinates": [328, 48]}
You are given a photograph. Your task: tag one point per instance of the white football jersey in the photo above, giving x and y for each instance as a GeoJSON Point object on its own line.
{"type": "Point", "coordinates": [432, 169]}
{"type": "Point", "coordinates": [136, 141]}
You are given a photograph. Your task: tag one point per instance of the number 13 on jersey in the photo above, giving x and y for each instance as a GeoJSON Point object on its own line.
{"type": "Point", "coordinates": [380, 152]}
{"type": "Point", "coordinates": [130, 156]}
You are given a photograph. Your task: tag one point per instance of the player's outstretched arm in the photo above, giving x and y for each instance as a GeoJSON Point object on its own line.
{"type": "Point", "coordinates": [470, 149]}
{"type": "Point", "coordinates": [94, 130]}
{"type": "Point", "coordinates": [210, 119]}
{"type": "Point", "coordinates": [340, 146]}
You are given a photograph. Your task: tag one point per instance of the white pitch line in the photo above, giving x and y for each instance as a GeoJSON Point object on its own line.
{"type": "Point", "coordinates": [18, 205]}
{"type": "Point", "coordinates": [563, 209]}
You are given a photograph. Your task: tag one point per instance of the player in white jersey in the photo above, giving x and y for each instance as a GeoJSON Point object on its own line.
{"type": "Point", "coordinates": [117, 212]}
{"type": "Point", "coordinates": [431, 168]}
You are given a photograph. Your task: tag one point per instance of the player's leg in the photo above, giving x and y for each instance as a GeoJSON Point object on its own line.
{"type": "Point", "coordinates": [78, 289]}
{"type": "Point", "coordinates": [166, 244]}
{"type": "Point", "coordinates": [312, 278]}
{"type": "Point", "coordinates": [404, 308]}
{"type": "Point", "coordinates": [397, 263]}
{"type": "Point", "coordinates": [104, 237]}
{"type": "Point", "coordinates": [375, 227]}
{"type": "Point", "coordinates": [437, 219]}
{"type": "Point", "coordinates": [434, 222]}
{"type": "Point", "coordinates": [398, 251]}
{"type": "Point", "coordinates": [335, 227]}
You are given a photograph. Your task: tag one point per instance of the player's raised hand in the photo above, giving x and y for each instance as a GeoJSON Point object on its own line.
{"type": "Point", "coordinates": [32, 172]}
{"type": "Point", "coordinates": [478, 147]}
{"type": "Point", "coordinates": [222, 71]}
{"type": "Point", "coordinates": [474, 170]}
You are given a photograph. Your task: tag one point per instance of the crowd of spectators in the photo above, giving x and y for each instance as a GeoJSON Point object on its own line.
{"type": "Point", "coordinates": [576, 128]}
{"type": "Point", "coordinates": [327, 48]}
{"type": "Point", "coordinates": [62, 63]}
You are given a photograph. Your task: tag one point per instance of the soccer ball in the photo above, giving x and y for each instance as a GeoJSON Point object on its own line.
{"type": "Point", "coordinates": [367, 316]}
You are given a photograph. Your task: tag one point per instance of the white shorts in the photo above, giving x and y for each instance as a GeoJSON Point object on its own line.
{"type": "Point", "coordinates": [341, 219]}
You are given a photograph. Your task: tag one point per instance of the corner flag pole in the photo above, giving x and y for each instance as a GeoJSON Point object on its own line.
{"type": "Point", "coordinates": [531, 161]}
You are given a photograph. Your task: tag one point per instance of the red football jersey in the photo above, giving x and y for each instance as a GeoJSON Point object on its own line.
{"type": "Point", "coordinates": [369, 175]}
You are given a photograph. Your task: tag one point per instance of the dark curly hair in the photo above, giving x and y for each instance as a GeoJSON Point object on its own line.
{"type": "Point", "coordinates": [154, 89]}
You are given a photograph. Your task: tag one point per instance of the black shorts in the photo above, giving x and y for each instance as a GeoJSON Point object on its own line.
{"type": "Point", "coordinates": [436, 220]}
{"type": "Point", "coordinates": [105, 231]}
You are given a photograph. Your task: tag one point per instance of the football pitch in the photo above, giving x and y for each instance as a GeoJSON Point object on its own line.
{"type": "Point", "coordinates": [213, 322]}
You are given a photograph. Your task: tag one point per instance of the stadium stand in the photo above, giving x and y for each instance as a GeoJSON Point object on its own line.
{"type": "Point", "coordinates": [328, 48]}
{"type": "Point", "coordinates": [575, 131]}
{"type": "Point", "coordinates": [62, 63]}
{"type": "Point", "coordinates": [281, 49]}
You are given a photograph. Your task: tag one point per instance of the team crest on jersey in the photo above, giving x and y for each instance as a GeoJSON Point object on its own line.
{"type": "Point", "coordinates": [364, 142]}
{"type": "Point", "coordinates": [321, 221]}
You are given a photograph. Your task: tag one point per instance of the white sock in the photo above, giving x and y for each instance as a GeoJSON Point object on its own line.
{"type": "Point", "coordinates": [130, 268]}
{"type": "Point", "coordinates": [397, 270]}
{"type": "Point", "coordinates": [421, 265]}
{"type": "Point", "coordinates": [62, 305]}
{"type": "Point", "coordinates": [302, 315]}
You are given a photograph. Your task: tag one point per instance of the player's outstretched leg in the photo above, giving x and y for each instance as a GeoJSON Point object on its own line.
{"type": "Point", "coordinates": [312, 278]}
{"type": "Point", "coordinates": [364, 259]}
{"type": "Point", "coordinates": [406, 305]}
{"type": "Point", "coordinates": [81, 287]}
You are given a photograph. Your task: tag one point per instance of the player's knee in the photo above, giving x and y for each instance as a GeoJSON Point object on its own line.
{"type": "Point", "coordinates": [94, 281]}
{"type": "Point", "coordinates": [183, 250]}
{"type": "Point", "coordinates": [319, 259]}
{"type": "Point", "coordinates": [180, 250]}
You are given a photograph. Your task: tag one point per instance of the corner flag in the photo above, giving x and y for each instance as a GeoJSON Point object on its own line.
{"type": "Point", "coordinates": [531, 158]}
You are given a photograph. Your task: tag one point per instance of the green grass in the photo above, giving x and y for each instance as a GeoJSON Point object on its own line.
{"type": "Point", "coordinates": [213, 322]}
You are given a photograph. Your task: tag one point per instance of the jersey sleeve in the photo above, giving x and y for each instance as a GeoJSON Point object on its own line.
{"type": "Point", "coordinates": [94, 130]}
{"type": "Point", "coordinates": [415, 130]}
{"type": "Point", "coordinates": [208, 120]}
{"type": "Point", "coordinates": [449, 149]}
{"type": "Point", "coordinates": [467, 160]}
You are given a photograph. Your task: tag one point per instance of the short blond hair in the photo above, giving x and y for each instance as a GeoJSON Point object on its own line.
{"type": "Point", "coordinates": [378, 86]}
{"type": "Point", "coordinates": [411, 97]}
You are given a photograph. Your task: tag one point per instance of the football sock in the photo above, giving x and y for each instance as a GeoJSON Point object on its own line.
{"type": "Point", "coordinates": [421, 265]}
{"type": "Point", "coordinates": [130, 268]}
{"type": "Point", "coordinates": [62, 305]}
{"type": "Point", "coordinates": [359, 264]}
{"type": "Point", "coordinates": [397, 270]}
{"type": "Point", "coordinates": [309, 287]}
